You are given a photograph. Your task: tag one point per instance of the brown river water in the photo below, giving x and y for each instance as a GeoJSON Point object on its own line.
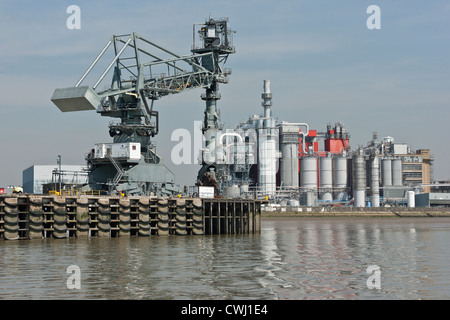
{"type": "Point", "coordinates": [292, 259]}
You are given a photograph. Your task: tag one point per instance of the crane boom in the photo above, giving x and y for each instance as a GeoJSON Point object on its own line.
{"type": "Point", "coordinates": [142, 70]}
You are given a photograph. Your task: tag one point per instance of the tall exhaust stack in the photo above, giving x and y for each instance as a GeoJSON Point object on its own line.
{"type": "Point", "coordinates": [267, 146]}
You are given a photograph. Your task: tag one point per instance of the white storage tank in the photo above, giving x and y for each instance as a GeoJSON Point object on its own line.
{"type": "Point", "coordinates": [359, 179]}
{"type": "Point", "coordinates": [308, 173]}
{"type": "Point", "coordinates": [410, 198]}
{"type": "Point", "coordinates": [232, 192]}
{"type": "Point", "coordinates": [340, 178]}
{"type": "Point", "coordinates": [325, 178]}
{"type": "Point", "coordinates": [375, 182]}
{"type": "Point", "coordinates": [289, 165]}
{"type": "Point", "coordinates": [386, 172]}
{"type": "Point", "coordinates": [397, 179]}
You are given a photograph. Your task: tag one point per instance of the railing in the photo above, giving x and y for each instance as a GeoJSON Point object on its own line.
{"type": "Point", "coordinates": [78, 192]}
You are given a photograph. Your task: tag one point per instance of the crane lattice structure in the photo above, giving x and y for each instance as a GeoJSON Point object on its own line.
{"type": "Point", "coordinates": [143, 72]}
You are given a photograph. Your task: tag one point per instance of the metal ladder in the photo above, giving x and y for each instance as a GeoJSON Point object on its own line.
{"type": "Point", "coordinates": [120, 171]}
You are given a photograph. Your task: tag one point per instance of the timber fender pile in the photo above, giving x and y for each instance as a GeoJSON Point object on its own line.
{"type": "Point", "coordinates": [104, 218]}
{"type": "Point", "coordinates": [36, 219]}
{"type": "Point", "coordinates": [124, 218]}
{"type": "Point", "coordinates": [61, 217]}
{"type": "Point", "coordinates": [181, 217]}
{"type": "Point", "coordinates": [82, 218]}
{"type": "Point", "coordinates": [11, 219]}
{"type": "Point", "coordinates": [163, 217]}
{"type": "Point", "coordinates": [197, 217]}
{"type": "Point", "coordinates": [144, 217]}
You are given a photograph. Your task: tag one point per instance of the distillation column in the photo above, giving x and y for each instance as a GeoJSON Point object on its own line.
{"type": "Point", "coordinates": [359, 178]}
{"type": "Point", "coordinates": [268, 148]}
{"type": "Point", "coordinates": [375, 181]}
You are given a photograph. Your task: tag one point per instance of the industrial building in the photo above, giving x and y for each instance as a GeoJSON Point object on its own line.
{"type": "Point", "coordinates": [37, 178]}
{"type": "Point", "coordinates": [296, 164]}
{"type": "Point", "coordinates": [260, 158]}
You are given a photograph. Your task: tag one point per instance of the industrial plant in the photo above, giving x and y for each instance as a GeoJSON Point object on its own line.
{"type": "Point", "coordinates": [287, 163]}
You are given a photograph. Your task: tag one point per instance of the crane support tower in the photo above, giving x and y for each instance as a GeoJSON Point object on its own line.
{"type": "Point", "coordinates": [143, 72]}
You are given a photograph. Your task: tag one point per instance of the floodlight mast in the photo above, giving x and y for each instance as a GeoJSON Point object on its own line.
{"type": "Point", "coordinates": [126, 99]}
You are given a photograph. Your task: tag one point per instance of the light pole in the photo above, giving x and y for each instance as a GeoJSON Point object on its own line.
{"type": "Point", "coordinates": [59, 163]}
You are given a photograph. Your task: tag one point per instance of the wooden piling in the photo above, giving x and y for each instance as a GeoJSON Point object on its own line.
{"type": "Point", "coordinates": [11, 219]}
{"type": "Point", "coordinates": [104, 218]}
{"type": "Point", "coordinates": [36, 218]}
{"type": "Point", "coordinates": [59, 217]}
{"type": "Point", "coordinates": [82, 218]}
{"type": "Point", "coordinates": [124, 218]}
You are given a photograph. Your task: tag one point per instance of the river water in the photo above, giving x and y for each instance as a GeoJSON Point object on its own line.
{"type": "Point", "coordinates": [292, 259]}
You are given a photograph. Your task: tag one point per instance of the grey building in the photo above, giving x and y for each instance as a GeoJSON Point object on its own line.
{"type": "Point", "coordinates": [34, 177]}
{"type": "Point", "coordinates": [432, 200]}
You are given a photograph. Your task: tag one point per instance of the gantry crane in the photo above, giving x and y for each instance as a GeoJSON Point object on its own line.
{"type": "Point", "coordinates": [143, 72]}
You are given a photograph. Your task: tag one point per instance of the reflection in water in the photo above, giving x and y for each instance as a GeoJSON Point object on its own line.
{"type": "Point", "coordinates": [290, 259]}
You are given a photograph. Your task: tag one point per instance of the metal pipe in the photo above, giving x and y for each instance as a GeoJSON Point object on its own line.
{"type": "Point", "coordinates": [153, 56]}
{"type": "Point", "coordinates": [229, 134]}
{"type": "Point", "coordinates": [112, 63]}
{"type": "Point", "coordinates": [297, 124]}
{"type": "Point", "coordinates": [94, 63]}
{"type": "Point", "coordinates": [169, 52]}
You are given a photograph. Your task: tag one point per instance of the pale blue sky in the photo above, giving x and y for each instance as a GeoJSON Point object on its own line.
{"type": "Point", "coordinates": [323, 63]}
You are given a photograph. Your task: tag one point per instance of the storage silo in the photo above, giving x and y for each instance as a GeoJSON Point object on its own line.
{"type": "Point", "coordinates": [340, 178]}
{"type": "Point", "coordinates": [386, 172]}
{"type": "Point", "coordinates": [310, 197]}
{"type": "Point", "coordinates": [325, 178]}
{"type": "Point", "coordinates": [289, 135]}
{"type": "Point", "coordinates": [411, 200]}
{"type": "Point", "coordinates": [375, 181]}
{"type": "Point", "coordinates": [308, 173]}
{"type": "Point", "coordinates": [397, 172]}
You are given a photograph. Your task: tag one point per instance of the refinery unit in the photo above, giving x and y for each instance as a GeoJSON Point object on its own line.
{"type": "Point", "coordinates": [261, 158]}
{"type": "Point", "coordinates": [284, 162]}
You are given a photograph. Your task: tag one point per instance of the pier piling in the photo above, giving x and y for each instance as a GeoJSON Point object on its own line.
{"type": "Point", "coordinates": [59, 217]}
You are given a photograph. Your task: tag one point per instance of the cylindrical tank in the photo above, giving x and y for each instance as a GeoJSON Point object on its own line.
{"type": "Point", "coordinates": [340, 178]}
{"type": "Point", "coordinates": [359, 179]}
{"type": "Point", "coordinates": [267, 163]}
{"type": "Point", "coordinates": [397, 172]}
{"type": "Point", "coordinates": [232, 192]}
{"type": "Point", "coordinates": [411, 201]}
{"type": "Point", "coordinates": [386, 172]}
{"type": "Point", "coordinates": [289, 165]}
{"type": "Point", "coordinates": [325, 178]}
{"type": "Point", "coordinates": [310, 198]}
{"type": "Point", "coordinates": [375, 181]}
{"type": "Point", "coordinates": [308, 173]}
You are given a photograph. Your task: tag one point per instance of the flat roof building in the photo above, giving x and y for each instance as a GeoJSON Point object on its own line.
{"type": "Point", "coordinates": [34, 177]}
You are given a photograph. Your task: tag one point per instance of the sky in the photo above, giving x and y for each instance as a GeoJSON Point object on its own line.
{"type": "Point", "coordinates": [325, 66]}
